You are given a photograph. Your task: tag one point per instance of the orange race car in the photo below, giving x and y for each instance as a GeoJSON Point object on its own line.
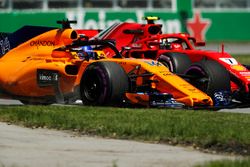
{"type": "Point", "coordinates": [43, 65]}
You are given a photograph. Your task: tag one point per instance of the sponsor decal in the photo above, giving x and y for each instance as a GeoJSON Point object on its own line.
{"type": "Point", "coordinates": [47, 77]}
{"type": "Point", "coordinates": [43, 77]}
{"type": "Point", "coordinates": [4, 45]}
{"type": "Point", "coordinates": [176, 46]}
{"type": "Point", "coordinates": [166, 73]}
{"type": "Point", "coordinates": [136, 46]}
{"type": "Point", "coordinates": [245, 73]}
{"type": "Point", "coordinates": [238, 67]}
{"type": "Point", "coordinates": [153, 63]}
{"type": "Point", "coordinates": [39, 43]}
{"type": "Point", "coordinates": [123, 63]}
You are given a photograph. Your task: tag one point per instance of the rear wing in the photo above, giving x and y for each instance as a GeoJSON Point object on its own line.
{"type": "Point", "coordinates": [9, 41]}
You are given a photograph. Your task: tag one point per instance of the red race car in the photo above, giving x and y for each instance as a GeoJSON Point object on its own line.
{"type": "Point", "coordinates": [216, 73]}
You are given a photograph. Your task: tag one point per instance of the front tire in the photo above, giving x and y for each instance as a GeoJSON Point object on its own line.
{"type": "Point", "coordinates": [103, 83]}
{"type": "Point", "coordinates": [210, 77]}
{"type": "Point", "coordinates": [176, 62]}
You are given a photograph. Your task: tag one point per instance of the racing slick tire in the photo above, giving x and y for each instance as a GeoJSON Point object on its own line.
{"type": "Point", "coordinates": [210, 77]}
{"type": "Point", "coordinates": [176, 62]}
{"type": "Point", "coordinates": [103, 83]}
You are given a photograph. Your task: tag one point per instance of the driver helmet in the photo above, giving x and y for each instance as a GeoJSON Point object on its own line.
{"type": "Point", "coordinates": [86, 53]}
{"type": "Point", "coordinates": [87, 49]}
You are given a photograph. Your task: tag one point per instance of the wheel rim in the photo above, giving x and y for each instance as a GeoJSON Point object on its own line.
{"type": "Point", "coordinates": [169, 65]}
{"type": "Point", "coordinates": [167, 62]}
{"type": "Point", "coordinates": [199, 78]}
{"type": "Point", "coordinates": [92, 88]}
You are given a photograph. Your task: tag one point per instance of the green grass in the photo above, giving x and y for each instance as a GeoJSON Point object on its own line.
{"type": "Point", "coordinates": [226, 132]}
{"type": "Point", "coordinates": [244, 59]}
{"type": "Point", "coordinates": [227, 163]}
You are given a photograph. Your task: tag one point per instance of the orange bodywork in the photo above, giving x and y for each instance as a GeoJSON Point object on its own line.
{"type": "Point", "coordinates": [18, 67]}
{"type": "Point", "coordinates": [164, 81]}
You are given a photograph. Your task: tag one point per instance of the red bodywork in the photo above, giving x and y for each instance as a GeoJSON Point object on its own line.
{"type": "Point", "coordinates": [88, 33]}
{"type": "Point", "coordinates": [147, 41]}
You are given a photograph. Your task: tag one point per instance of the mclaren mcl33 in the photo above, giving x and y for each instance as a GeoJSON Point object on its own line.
{"type": "Point", "coordinates": [44, 65]}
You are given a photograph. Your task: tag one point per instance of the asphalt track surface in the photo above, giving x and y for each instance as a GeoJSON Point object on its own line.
{"type": "Point", "coordinates": [24, 147]}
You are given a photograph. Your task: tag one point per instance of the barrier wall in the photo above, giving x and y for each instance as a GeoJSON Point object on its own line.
{"type": "Point", "coordinates": [209, 26]}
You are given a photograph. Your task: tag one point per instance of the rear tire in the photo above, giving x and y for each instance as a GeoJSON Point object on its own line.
{"type": "Point", "coordinates": [176, 62]}
{"type": "Point", "coordinates": [103, 83]}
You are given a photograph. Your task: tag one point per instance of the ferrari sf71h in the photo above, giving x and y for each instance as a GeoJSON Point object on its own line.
{"type": "Point", "coordinates": [216, 73]}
